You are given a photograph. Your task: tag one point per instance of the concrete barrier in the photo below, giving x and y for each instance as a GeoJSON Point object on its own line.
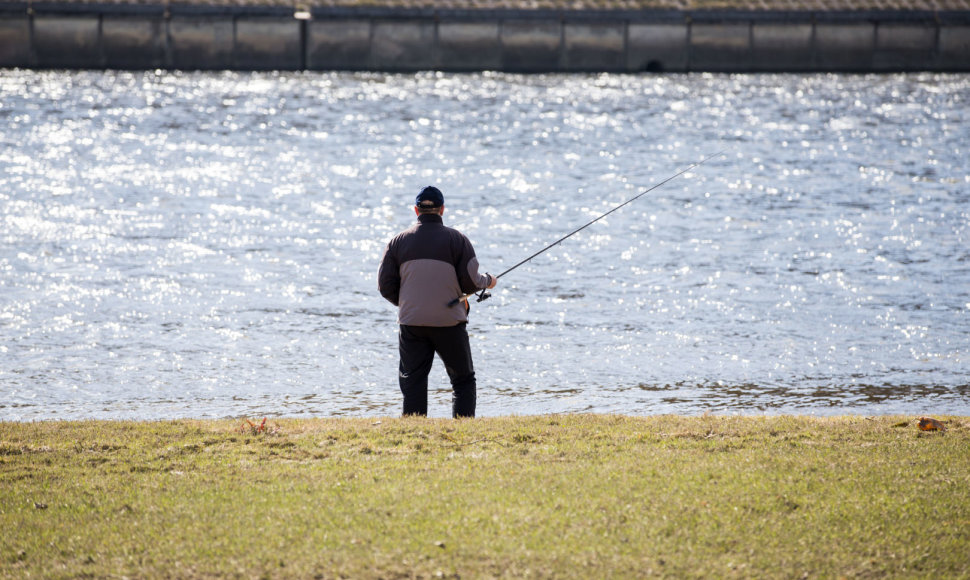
{"type": "Point", "coordinates": [469, 46]}
{"type": "Point", "coordinates": [201, 42]}
{"type": "Point", "coordinates": [67, 41]}
{"type": "Point", "coordinates": [133, 42]}
{"type": "Point", "coordinates": [903, 46]}
{"type": "Point", "coordinates": [406, 45]}
{"type": "Point", "coordinates": [597, 46]}
{"type": "Point", "coordinates": [954, 48]}
{"type": "Point", "coordinates": [15, 40]}
{"type": "Point", "coordinates": [844, 47]}
{"type": "Point", "coordinates": [720, 46]}
{"type": "Point", "coordinates": [182, 36]}
{"type": "Point", "coordinates": [339, 44]}
{"type": "Point", "coordinates": [266, 43]}
{"type": "Point", "coordinates": [657, 47]}
{"type": "Point", "coordinates": [781, 47]}
{"type": "Point", "coordinates": [531, 45]}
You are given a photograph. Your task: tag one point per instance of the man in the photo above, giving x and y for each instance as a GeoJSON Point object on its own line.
{"type": "Point", "coordinates": [423, 270]}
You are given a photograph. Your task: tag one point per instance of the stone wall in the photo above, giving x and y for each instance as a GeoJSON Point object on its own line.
{"type": "Point", "coordinates": [253, 38]}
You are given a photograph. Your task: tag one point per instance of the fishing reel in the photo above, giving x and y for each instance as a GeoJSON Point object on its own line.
{"type": "Point", "coordinates": [482, 295]}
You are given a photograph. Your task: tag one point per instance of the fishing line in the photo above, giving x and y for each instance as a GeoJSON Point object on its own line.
{"type": "Point", "coordinates": [484, 295]}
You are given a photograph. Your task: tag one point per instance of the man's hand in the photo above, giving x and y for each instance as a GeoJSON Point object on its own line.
{"type": "Point", "coordinates": [492, 281]}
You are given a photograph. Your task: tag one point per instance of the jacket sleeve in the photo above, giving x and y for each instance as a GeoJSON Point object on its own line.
{"type": "Point", "coordinates": [467, 269]}
{"type": "Point", "coordinates": [389, 277]}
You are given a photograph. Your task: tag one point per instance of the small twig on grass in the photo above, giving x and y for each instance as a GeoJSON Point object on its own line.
{"type": "Point", "coordinates": [465, 444]}
{"type": "Point", "coordinates": [485, 439]}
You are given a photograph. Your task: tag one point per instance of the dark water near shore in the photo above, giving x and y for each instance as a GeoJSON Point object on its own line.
{"type": "Point", "coordinates": [205, 245]}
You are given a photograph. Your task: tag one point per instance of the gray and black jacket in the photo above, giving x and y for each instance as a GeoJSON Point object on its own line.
{"type": "Point", "coordinates": [426, 267]}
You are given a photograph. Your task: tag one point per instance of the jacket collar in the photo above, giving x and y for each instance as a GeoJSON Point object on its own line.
{"type": "Point", "coordinates": [430, 218]}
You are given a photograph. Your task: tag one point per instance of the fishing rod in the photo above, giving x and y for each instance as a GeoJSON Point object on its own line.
{"type": "Point", "coordinates": [484, 295]}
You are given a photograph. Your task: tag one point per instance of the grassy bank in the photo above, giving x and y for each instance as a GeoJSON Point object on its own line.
{"type": "Point", "coordinates": [573, 496]}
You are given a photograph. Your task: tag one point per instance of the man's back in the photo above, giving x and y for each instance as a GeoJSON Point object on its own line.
{"type": "Point", "coordinates": [424, 268]}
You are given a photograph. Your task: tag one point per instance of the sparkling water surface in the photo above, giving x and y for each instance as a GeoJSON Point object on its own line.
{"type": "Point", "coordinates": [206, 244]}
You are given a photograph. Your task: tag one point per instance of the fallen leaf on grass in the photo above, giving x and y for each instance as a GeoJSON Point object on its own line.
{"type": "Point", "coordinates": [258, 429]}
{"type": "Point", "coordinates": [253, 427]}
{"type": "Point", "coordinates": [930, 424]}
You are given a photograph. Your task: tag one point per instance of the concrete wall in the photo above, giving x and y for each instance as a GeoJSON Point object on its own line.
{"type": "Point", "coordinates": [531, 45]}
{"type": "Point", "coordinates": [657, 47]}
{"type": "Point", "coordinates": [594, 46]}
{"type": "Point", "coordinates": [720, 46]}
{"type": "Point", "coordinates": [199, 42]}
{"type": "Point", "coordinates": [15, 40]}
{"type": "Point", "coordinates": [782, 46]}
{"type": "Point", "coordinates": [953, 47]}
{"type": "Point", "coordinates": [67, 41]}
{"type": "Point", "coordinates": [265, 43]}
{"type": "Point", "coordinates": [469, 46]}
{"type": "Point", "coordinates": [258, 38]}
{"type": "Point", "coordinates": [339, 44]}
{"type": "Point", "coordinates": [844, 46]}
{"type": "Point", "coordinates": [133, 42]}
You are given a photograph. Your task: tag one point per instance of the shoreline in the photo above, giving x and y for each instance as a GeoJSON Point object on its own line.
{"type": "Point", "coordinates": [220, 422]}
{"type": "Point", "coordinates": [621, 37]}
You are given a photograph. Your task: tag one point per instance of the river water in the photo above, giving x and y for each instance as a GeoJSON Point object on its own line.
{"type": "Point", "coordinates": [206, 244]}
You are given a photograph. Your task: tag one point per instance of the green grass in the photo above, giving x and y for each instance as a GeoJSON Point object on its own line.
{"type": "Point", "coordinates": [573, 496]}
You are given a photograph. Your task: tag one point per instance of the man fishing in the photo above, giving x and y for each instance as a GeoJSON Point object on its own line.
{"type": "Point", "coordinates": [424, 269]}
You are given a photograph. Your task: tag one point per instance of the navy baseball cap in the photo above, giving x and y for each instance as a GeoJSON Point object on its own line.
{"type": "Point", "coordinates": [430, 197]}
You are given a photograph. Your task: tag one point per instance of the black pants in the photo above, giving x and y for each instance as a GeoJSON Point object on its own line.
{"type": "Point", "coordinates": [418, 345]}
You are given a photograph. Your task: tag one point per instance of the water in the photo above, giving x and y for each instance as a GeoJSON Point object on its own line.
{"type": "Point", "coordinates": [206, 245]}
